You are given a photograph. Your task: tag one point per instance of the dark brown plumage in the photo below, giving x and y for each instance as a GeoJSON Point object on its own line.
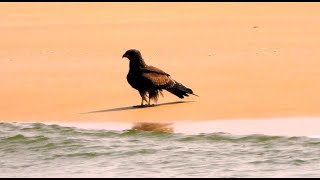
{"type": "Point", "coordinates": [149, 80]}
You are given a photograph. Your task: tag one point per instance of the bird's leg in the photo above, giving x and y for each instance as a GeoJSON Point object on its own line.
{"type": "Point", "coordinates": [142, 102]}
{"type": "Point", "coordinates": [143, 98]}
{"type": "Point", "coordinates": [149, 101]}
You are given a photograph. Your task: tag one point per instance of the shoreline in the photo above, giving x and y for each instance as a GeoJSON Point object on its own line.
{"type": "Point", "coordinates": [298, 126]}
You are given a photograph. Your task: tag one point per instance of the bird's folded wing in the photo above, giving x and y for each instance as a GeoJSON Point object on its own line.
{"type": "Point", "coordinates": [158, 79]}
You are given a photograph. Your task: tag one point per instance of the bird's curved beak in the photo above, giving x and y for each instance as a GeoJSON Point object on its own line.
{"type": "Point", "coordinates": [125, 55]}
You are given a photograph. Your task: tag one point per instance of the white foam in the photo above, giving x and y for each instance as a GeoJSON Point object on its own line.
{"type": "Point", "coordinates": [314, 136]}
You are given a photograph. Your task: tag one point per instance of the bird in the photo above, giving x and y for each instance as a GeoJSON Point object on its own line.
{"type": "Point", "coordinates": [150, 81]}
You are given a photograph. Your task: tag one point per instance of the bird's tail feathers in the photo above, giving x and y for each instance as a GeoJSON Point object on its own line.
{"type": "Point", "coordinates": [180, 90]}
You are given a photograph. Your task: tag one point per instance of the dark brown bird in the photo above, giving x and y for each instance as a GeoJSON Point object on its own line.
{"type": "Point", "coordinates": [150, 81]}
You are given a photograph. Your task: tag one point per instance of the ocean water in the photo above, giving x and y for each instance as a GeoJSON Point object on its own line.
{"type": "Point", "coordinates": [51, 150]}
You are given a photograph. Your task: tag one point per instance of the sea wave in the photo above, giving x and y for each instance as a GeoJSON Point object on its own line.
{"type": "Point", "coordinates": [30, 149]}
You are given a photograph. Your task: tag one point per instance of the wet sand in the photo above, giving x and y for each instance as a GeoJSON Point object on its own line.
{"type": "Point", "coordinates": [59, 61]}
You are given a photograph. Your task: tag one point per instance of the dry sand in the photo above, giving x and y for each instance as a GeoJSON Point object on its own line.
{"type": "Point", "coordinates": [245, 60]}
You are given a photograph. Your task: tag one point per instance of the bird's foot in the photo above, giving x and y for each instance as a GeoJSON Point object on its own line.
{"type": "Point", "coordinates": [144, 105]}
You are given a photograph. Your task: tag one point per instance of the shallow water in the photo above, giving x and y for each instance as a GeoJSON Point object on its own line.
{"type": "Point", "coordinates": [40, 150]}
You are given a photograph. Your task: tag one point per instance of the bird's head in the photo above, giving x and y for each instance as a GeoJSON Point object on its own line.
{"type": "Point", "coordinates": [132, 54]}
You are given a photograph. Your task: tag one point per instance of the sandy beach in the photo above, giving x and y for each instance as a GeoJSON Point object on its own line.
{"type": "Point", "coordinates": [67, 109]}
{"type": "Point", "coordinates": [59, 61]}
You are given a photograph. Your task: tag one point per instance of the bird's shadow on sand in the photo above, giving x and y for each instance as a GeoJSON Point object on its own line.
{"type": "Point", "coordinates": [136, 107]}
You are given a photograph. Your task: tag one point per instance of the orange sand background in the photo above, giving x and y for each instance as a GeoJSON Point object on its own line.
{"type": "Point", "coordinates": [245, 60]}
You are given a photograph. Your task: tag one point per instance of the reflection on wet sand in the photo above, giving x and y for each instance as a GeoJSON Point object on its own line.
{"type": "Point", "coordinates": [158, 127]}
